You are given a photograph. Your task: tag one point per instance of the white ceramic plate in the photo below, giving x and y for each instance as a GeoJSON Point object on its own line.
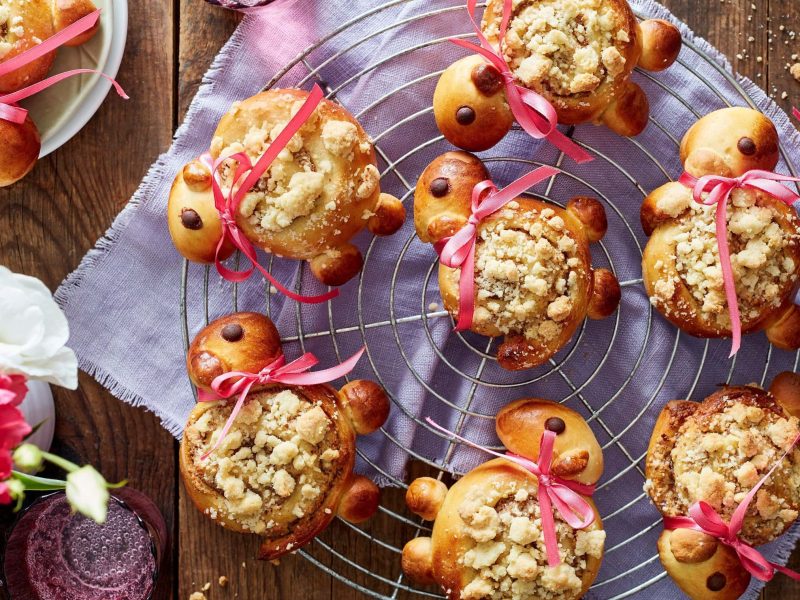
{"type": "Point", "coordinates": [62, 110]}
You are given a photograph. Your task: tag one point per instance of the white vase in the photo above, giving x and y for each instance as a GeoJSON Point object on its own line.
{"type": "Point", "coordinates": [38, 408]}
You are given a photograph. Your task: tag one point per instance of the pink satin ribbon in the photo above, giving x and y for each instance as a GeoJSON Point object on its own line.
{"type": "Point", "coordinates": [703, 518]}
{"type": "Point", "coordinates": [531, 110]}
{"type": "Point", "coordinates": [564, 494]}
{"type": "Point", "coordinates": [458, 250]}
{"type": "Point", "coordinates": [243, 179]}
{"type": "Point", "coordinates": [9, 111]}
{"type": "Point", "coordinates": [240, 382]}
{"type": "Point", "coordinates": [719, 190]}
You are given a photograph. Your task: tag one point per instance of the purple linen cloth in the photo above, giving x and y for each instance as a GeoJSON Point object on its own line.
{"type": "Point", "coordinates": [124, 300]}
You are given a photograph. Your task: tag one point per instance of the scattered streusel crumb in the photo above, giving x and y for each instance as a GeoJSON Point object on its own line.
{"type": "Point", "coordinates": [223, 581]}
{"type": "Point", "coordinates": [206, 587]}
{"type": "Point", "coordinates": [795, 71]}
{"type": "Point", "coordinates": [198, 596]}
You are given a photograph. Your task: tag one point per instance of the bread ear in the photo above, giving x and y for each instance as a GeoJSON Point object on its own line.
{"type": "Point", "coordinates": [661, 44]}
{"type": "Point", "coordinates": [591, 214]}
{"type": "Point", "coordinates": [366, 405]}
{"type": "Point", "coordinates": [628, 113]}
{"type": "Point", "coordinates": [417, 561]}
{"type": "Point", "coordinates": [606, 294]}
{"type": "Point", "coordinates": [337, 266]}
{"type": "Point", "coordinates": [19, 150]}
{"type": "Point", "coordinates": [360, 500]}
{"type": "Point", "coordinates": [67, 12]}
{"type": "Point", "coordinates": [784, 331]}
{"type": "Point", "coordinates": [425, 497]}
{"type": "Point", "coordinates": [786, 389]}
{"type": "Point", "coordinates": [390, 214]}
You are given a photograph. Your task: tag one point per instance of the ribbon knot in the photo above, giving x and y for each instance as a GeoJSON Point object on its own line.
{"type": "Point", "coordinates": [703, 518]}
{"type": "Point", "coordinates": [458, 251]}
{"type": "Point", "coordinates": [241, 382]}
{"type": "Point", "coordinates": [566, 495]}
{"type": "Point", "coordinates": [716, 189]}
{"type": "Point", "coordinates": [9, 111]}
{"type": "Point", "coordinates": [243, 176]}
{"type": "Point", "coordinates": [531, 110]}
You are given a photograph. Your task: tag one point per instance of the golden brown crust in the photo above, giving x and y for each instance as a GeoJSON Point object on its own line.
{"type": "Point", "coordinates": [360, 500]}
{"type": "Point", "coordinates": [661, 44]}
{"type": "Point", "coordinates": [19, 150]}
{"type": "Point", "coordinates": [764, 237]}
{"type": "Point", "coordinates": [717, 450]}
{"type": "Point", "coordinates": [470, 114]}
{"type": "Point", "coordinates": [424, 497]}
{"type": "Point", "coordinates": [320, 191]}
{"type": "Point", "coordinates": [416, 560]}
{"type": "Point", "coordinates": [193, 220]}
{"type": "Point", "coordinates": [239, 342]}
{"type": "Point", "coordinates": [576, 454]}
{"type": "Point", "coordinates": [66, 12]}
{"type": "Point", "coordinates": [534, 282]}
{"type": "Point", "coordinates": [786, 389]}
{"type": "Point", "coordinates": [628, 112]}
{"type": "Point", "coordinates": [366, 404]}
{"type": "Point", "coordinates": [28, 22]}
{"type": "Point", "coordinates": [719, 576]}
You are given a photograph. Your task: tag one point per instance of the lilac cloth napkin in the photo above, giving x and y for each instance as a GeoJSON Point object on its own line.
{"type": "Point", "coordinates": [124, 300]}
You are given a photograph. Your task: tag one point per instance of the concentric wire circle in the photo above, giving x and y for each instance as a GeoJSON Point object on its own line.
{"type": "Point", "coordinates": [340, 551]}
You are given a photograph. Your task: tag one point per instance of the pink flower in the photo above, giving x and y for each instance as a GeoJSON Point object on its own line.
{"type": "Point", "coordinates": [5, 493]}
{"type": "Point", "coordinates": [13, 427]}
{"type": "Point", "coordinates": [6, 462]}
{"type": "Point", "coordinates": [13, 389]}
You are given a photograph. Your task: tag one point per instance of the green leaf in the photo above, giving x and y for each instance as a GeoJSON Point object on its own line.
{"type": "Point", "coordinates": [34, 483]}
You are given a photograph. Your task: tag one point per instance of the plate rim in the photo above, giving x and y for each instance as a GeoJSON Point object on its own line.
{"type": "Point", "coordinates": [97, 95]}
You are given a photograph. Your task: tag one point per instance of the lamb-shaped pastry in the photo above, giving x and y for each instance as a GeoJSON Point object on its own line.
{"type": "Point", "coordinates": [576, 56]}
{"type": "Point", "coordinates": [491, 520]}
{"type": "Point", "coordinates": [717, 451]}
{"type": "Point", "coordinates": [284, 469]}
{"type": "Point", "coordinates": [682, 269]}
{"type": "Point", "coordinates": [320, 190]}
{"type": "Point", "coordinates": [533, 279]}
{"type": "Point", "coordinates": [25, 24]}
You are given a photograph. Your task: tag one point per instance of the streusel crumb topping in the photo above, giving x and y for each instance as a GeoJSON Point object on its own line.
{"type": "Point", "coordinates": [280, 455]}
{"type": "Point", "coordinates": [302, 181]}
{"type": "Point", "coordinates": [719, 458]}
{"type": "Point", "coordinates": [526, 272]}
{"type": "Point", "coordinates": [562, 47]}
{"type": "Point", "coordinates": [762, 269]}
{"type": "Point", "coordinates": [11, 28]}
{"type": "Point", "coordinates": [508, 559]}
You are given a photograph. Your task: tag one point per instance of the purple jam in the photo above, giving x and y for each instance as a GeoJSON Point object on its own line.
{"type": "Point", "coordinates": [55, 555]}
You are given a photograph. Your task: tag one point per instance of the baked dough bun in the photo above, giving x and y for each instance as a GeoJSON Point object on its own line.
{"type": "Point", "coordinates": [320, 191]}
{"type": "Point", "coordinates": [717, 451]}
{"type": "Point", "coordinates": [285, 469]}
{"type": "Point", "coordinates": [534, 283]}
{"type": "Point", "coordinates": [23, 25]}
{"type": "Point", "coordinates": [577, 55]}
{"type": "Point", "coordinates": [489, 521]}
{"type": "Point", "coordinates": [680, 264]}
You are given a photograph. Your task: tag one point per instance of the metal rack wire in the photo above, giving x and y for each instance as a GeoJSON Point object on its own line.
{"type": "Point", "coordinates": [380, 576]}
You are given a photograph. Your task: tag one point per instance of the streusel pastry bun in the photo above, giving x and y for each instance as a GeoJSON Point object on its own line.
{"type": "Point", "coordinates": [489, 522]}
{"type": "Point", "coordinates": [285, 468]}
{"type": "Point", "coordinates": [321, 190]}
{"type": "Point", "coordinates": [534, 283]}
{"type": "Point", "coordinates": [577, 54]}
{"type": "Point", "coordinates": [716, 451]}
{"type": "Point", "coordinates": [680, 264]}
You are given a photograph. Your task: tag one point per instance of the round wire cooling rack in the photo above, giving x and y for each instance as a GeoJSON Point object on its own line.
{"type": "Point", "coordinates": [367, 557]}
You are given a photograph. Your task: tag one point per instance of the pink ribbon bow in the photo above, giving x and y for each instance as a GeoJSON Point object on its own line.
{"type": "Point", "coordinates": [703, 518]}
{"type": "Point", "coordinates": [240, 382]}
{"type": "Point", "coordinates": [243, 179]}
{"type": "Point", "coordinates": [9, 111]}
{"type": "Point", "coordinates": [564, 494]}
{"type": "Point", "coordinates": [719, 190]}
{"type": "Point", "coordinates": [458, 250]}
{"type": "Point", "coordinates": [531, 110]}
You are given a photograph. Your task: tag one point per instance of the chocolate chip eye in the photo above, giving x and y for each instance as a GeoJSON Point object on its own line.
{"type": "Point", "coordinates": [439, 187]}
{"type": "Point", "coordinates": [555, 424]}
{"type": "Point", "coordinates": [190, 219]}
{"type": "Point", "coordinates": [716, 582]}
{"type": "Point", "coordinates": [232, 332]}
{"type": "Point", "coordinates": [746, 146]}
{"type": "Point", "coordinates": [487, 79]}
{"type": "Point", "coordinates": [465, 115]}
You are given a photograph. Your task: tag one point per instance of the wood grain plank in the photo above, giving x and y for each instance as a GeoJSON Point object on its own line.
{"type": "Point", "coordinates": [48, 222]}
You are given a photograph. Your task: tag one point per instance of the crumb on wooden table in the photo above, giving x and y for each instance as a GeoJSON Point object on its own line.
{"type": "Point", "coordinates": [206, 587]}
{"type": "Point", "coordinates": [795, 71]}
{"type": "Point", "coordinates": [198, 596]}
{"type": "Point", "coordinates": [223, 581]}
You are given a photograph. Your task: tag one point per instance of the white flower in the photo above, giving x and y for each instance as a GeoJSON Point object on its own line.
{"type": "Point", "coordinates": [33, 331]}
{"type": "Point", "coordinates": [87, 493]}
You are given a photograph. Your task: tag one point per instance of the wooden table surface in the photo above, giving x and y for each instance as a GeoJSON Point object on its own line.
{"type": "Point", "coordinates": [49, 220]}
